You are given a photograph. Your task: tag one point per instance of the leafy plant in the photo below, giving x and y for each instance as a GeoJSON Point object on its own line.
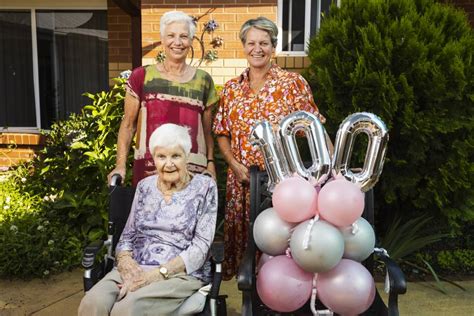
{"type": "Point", "coordinates": [58, 201]}
{"type": "Point", "coordinates": [411, 63]}
{"type": "Point", "coordinates": [404, 239]}
{"type": "Point", "coordinates": [457, 260]}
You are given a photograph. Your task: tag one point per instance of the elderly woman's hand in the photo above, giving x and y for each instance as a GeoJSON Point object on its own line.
{"type": "Point", "coordinates": [145, 278]}
{"type": "Point", "coordinates": [127, 267]}
{"type": "Point", "coordinates": [241, 172]}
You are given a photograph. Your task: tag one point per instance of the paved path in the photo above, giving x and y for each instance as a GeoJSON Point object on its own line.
{"type": "Point", "coordinates": [60, 295]}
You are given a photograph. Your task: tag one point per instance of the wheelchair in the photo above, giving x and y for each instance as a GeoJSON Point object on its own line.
{"type": "Point", "coordinates": [120, 203]}
{"type": "Point", "coordinates": [260, 199]}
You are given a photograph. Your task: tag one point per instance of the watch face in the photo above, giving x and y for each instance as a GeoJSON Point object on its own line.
{"type": "Point", "coordinates": [164, 271]}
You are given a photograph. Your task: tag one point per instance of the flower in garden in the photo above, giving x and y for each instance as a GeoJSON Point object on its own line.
{"type": "Point", "coordinates": [40, 227]}
{"type": "Point", "coordinates": [211, 26]}
{"type": "Point", "coordinates": [46, 272]}
{"type": "Point", "coordinates": [217, 42]}
{"type": "Point", "coordinates": [13, 228]}
{"type": "Point", "coordinates": [125, 74]}
{"type": "Point", "coordinates": [23, 180]}
{"type": "Point", "coordinates": [50, 242]}
{"type": "Point", "coordinates": [6, 207]}
{"type": "Point", "coordinates": [211, 55]}
{"type": "Point", "coordinates": [195, 18]}
{"type": "Point", "coordinates": [7, 200]}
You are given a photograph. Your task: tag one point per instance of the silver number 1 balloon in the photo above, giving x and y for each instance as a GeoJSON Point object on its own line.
{"type": "Point", "coordinates": [275, 163]}
{"type": "Point", "coordinates": [377, 133]}
{"type": "Point", "coordinates": [317, 142]}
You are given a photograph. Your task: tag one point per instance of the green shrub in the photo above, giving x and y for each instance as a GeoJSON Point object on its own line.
{"type": "Point", "coordinates": [52, 206]}
{"type": "Point", "coordinates": [460, 260]}
{"type": "Point", "coordinates": [409, 62]}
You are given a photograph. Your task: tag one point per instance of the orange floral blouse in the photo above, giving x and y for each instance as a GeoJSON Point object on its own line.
{"type": "Point", "coordinates": [240, 108]}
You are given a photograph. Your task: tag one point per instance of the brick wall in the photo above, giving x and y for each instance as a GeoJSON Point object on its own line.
{"type": "Point", "coordinates": [229, 14]}
{"type": "Point", "coordinates": [120, 44]}
{"type": "Point", "coordinates": [17, 147]}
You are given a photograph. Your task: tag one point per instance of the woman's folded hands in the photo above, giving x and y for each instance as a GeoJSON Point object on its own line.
{"type": "Point", "coordinates": [145, 278]}
{"type": "Point", "coordinates": [127, 266]}
{"type": "Point", "coordinates": [133, 276]}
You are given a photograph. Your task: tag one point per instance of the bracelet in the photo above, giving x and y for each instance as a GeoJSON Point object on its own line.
{"type": "Point", "coordinates": [210, 160]}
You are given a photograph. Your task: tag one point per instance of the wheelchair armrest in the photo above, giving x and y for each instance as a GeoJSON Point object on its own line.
{"type": "Point", "coordinates": [90, 253]}
{"type": "Point", "coordinates": [398, 283]}
{"type": "Point", "coordinates": [217, 251]}
{"type": "Point", "coordinates": [246, 271]}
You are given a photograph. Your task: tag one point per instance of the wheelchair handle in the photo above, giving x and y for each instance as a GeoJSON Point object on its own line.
{"type": "Point", "coordinates": [115, 180]}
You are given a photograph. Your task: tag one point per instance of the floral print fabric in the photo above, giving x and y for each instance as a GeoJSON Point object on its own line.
{"type": "Point", "coordinates": [239, 110]}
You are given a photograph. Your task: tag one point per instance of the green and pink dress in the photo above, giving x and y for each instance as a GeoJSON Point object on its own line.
{"type": "Point", "coordinates": [163, 101]}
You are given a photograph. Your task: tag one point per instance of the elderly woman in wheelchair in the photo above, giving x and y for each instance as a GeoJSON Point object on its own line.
{"type": "Point", "coordinates": [162, 255]}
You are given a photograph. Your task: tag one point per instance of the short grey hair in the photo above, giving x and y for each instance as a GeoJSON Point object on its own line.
{"type": "Point", "coordinates": [177, 16]}
{"type": "Point", "coordinates": [169, 135]}
{"type": "Point", "coordinates": [261, 23]}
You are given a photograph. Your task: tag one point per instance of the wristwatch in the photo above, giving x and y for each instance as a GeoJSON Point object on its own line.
{"type": "Point", "coordinates": [164, 272]}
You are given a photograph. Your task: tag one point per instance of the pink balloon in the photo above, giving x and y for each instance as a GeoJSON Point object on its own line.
{"type": "Point", "coordinates": [340, 202]}
{"type": "Point", "coordinates": [263, 259]}
{"type": "Point", "coordinates": [295, 199]}
{"type": "Point", "coordinates": [282, 285]}
{"type": "Point", "coordinates": [347, 289]}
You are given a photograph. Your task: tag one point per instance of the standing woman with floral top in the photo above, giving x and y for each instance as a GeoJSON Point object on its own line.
{"type": "Point", "coordinates": [170, 92]}
{"type": "Point", "coordinates": [262, 92]}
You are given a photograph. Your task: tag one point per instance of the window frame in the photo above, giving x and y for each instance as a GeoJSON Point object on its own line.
{"type": "Point", "coordinates": [32, 9]}
{"type": "Point", "coordinates": [308, 25]}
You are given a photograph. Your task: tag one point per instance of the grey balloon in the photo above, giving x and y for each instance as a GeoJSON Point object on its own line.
{"type": "Point", "coordinates": [325, 246]}
{"type": "Point", "coordinates": [358, 243]}
{"type": "Point", "coordinates": [271, 233]}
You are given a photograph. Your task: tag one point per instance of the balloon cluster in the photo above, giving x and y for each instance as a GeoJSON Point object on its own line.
{"type": "Point", "coordinates": [314, 238]}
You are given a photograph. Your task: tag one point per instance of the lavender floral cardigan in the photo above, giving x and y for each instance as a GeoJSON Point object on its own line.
{"type": "Point", "coordinates": [157, 231]}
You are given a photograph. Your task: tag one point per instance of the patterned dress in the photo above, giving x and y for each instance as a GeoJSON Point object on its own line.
{"type": "Point", "coordinates": [163, 101]}
{"type": "Point", "coordinates": [157, 230]}
{"type": "Point", "coordinates": [239, 110]}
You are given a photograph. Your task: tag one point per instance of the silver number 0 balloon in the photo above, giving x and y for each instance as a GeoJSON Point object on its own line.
{"type": "Point", "coordinates": [316, 136]}
{"type": "Point", "coordinates": [377, 133]}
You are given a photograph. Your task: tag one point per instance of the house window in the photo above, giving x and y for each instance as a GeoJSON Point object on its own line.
{"type": "Point", "coordinates": [49, 59]}
{"type": "Point", "coordinates": [298, 20]}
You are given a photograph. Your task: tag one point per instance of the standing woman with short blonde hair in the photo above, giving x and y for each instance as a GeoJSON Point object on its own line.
{"type": "Point", "coordinates": [263, 91]}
